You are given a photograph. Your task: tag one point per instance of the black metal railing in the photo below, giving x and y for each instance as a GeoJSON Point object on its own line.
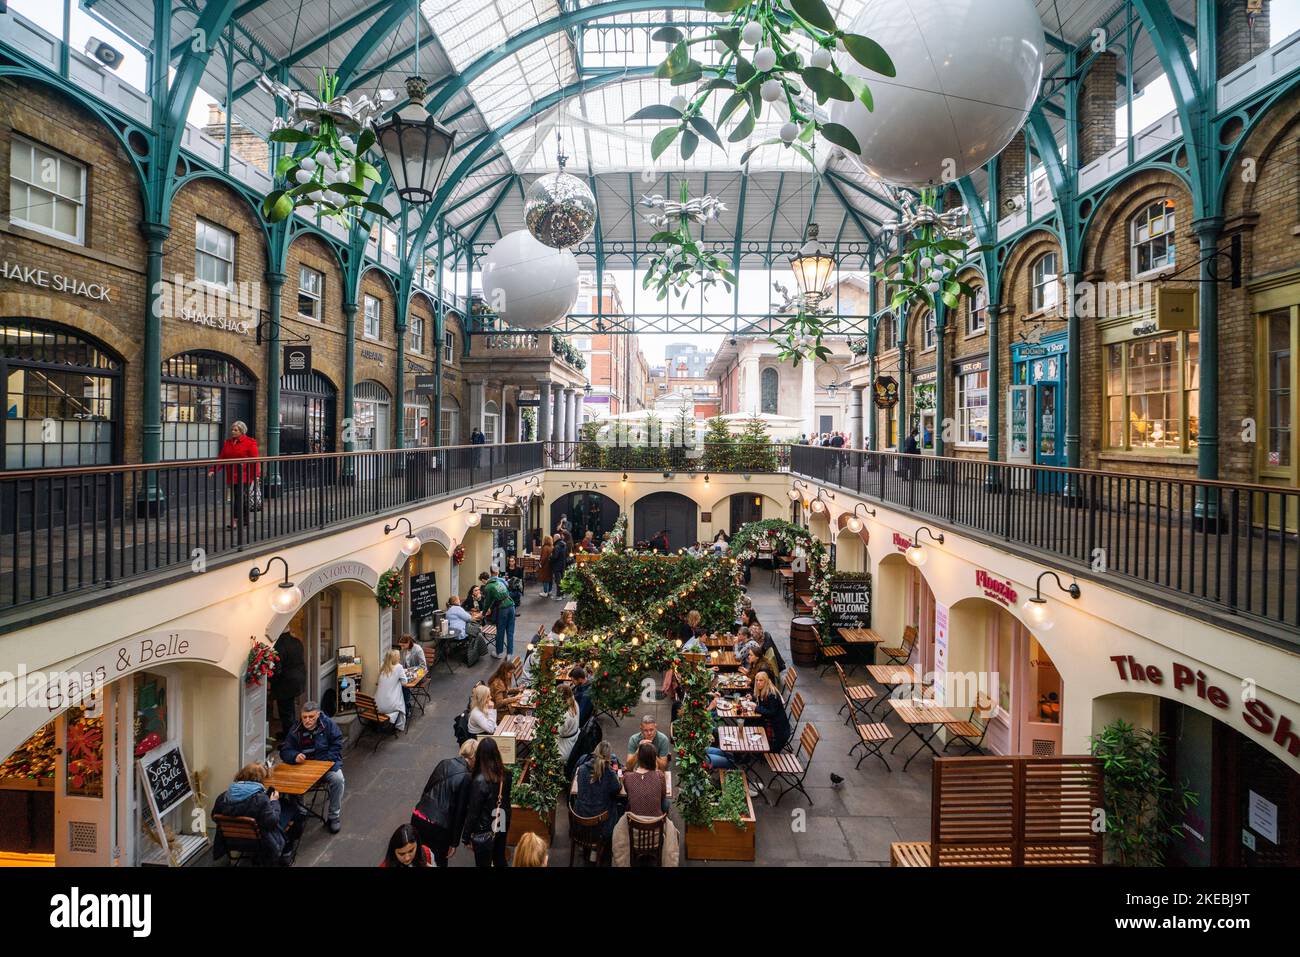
{"type": "Point", "coordinates": [64, 531]}
{"type": "Point", "coordinates": [1234, 546]}
{"type": "Point", "coordinates": [668, 456]}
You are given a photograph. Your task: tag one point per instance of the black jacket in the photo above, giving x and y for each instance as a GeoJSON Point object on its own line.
{"type": "Point", "coordinates": [559, 558]}
{"type": "Point", "coordinates": [446, 795]}
{"type": "Point", "coordinates": [260, 808]}
{"type": "Point", "coordinates": [483, 803]}
{"type": "Point", "coordinates": [290, 676]}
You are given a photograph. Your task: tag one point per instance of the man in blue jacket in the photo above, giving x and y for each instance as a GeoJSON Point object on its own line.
{"type": "Point", "coordinates": [316, 737]}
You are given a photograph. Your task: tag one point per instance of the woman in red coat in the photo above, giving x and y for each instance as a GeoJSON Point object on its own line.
{"type": "Point", "coordinates": [239, 478]}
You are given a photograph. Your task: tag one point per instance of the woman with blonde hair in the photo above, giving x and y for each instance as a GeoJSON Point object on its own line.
{"type": "Point", "coordinates": [439, 817]}
{"type": "Point", "coordinates": [598, 786]}
{"type": "Point", "coordinates": [770, 707]}
{"type": "Point", "coordinates": [532, 852]}
{"type": "Point", "coordinates": [482, 716]}
{"type": "Point", "coordinates": [389, 698]}
{"type": "Point", "coordinates": [569, 727]}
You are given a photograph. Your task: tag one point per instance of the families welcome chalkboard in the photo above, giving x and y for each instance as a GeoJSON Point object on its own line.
{"type": "Point", "coordinates": [424, 596]}
{"type": "Point", "coordinates": [851, 601]}
{"type": "Point", "coordinates": [167, 780]}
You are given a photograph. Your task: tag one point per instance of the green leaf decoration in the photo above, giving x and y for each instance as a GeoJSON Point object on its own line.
{"type": "Point", "coordinates": [841, 136]}
{"type": "Point", "coordinates": [285, 164]}
{"type": "Point", "coordinates": [745, 71]}
{"type": "Point", "coordinates": [750, 152]}
{"type": "Point", "coordinates": [366, 171]}
{"type": "Point", "coordinates": [347, 189]}
{"type": "Point", "coordinates": [718, 83]}
{"type": "Point", "coordinates": [724, 6]}
{"type": "Point", "coordinates": [679, 58]}
{"type": "Point", "coordinates": [663, 139]}
{"type": "Point", "coordinates": [729, 36]}
{"type": "Point", "coordinates": [705, 129]}
{"type": "Point", "coordinates": [804, 153]}
{"type": "Point", "coordinates": [277, 206]}
{"type": "Point", "coordinates": [827, 85]}
{"type": "Point", "coordinates": [689, 144]}
{"type": "Point", "coordinates": [668, 35]}
{"type": "Point", "coordinates": [743, 129]}
{"type": "Point", "coordinates": [733, 103]}
{"type": "Point", "coordinates": [860, 89]}
{"type": "Point", "coordinates": [366, 140]}
{"type": "Point", "coordinates": [869, 53]}
{"type": "Point", "coordinates": [816, 13]}
{"type": "Point", "coordinates": [656, 112]}
{"type": "Point", "coordinates": [377, 209]}
{"type": "Point", "coordinates": [290, 135]}
{"type": "Point", "coordinates": [692, 74]}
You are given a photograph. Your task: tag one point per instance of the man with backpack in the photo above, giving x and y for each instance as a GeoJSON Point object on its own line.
{"type": "Point", "coordinates": [501, 608]}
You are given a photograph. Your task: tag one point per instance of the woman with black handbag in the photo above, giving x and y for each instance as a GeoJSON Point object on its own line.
{"type": "Point", "coordinates": [487, 819]}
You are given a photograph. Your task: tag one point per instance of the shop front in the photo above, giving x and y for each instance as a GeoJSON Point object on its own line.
{"type": "Point", "coordinates": [203, 395]}
{"type": "Point", "coordinates": [308, 404]}
{"type": "Point", "coordinates": [925, 416]}
{"type": "Point", "coordinates": [1035, 403]}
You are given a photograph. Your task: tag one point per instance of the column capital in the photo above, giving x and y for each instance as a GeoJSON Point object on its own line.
{"type": "Point", "coordinates": [275, 278]}
{"type": "Point", "coordinates": [1207, 226]}
{"type": "Point", "coordinates": [155, 232]}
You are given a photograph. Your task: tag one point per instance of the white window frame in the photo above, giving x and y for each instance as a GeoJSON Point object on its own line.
{"type": "Point", "coordinates": [963, 391]}
{"type": "Point", "coordinates": [1043, 281]}
{"type": "Point", "coordinates": [318, 296]}
{"type": "Point", "coordinates": [977, 315]}
{"type": "Point", "coordinates": [41, 154]}
{"type": "Point", "coordinates": [369, 315]}
{"type": "Point", "coordinates": [448, 347]}
{"type": "Point", "coordinates": [415, 334]}
{"type": "Point", "coordinates": [1141, 235]}
{"type": "Point", "coordinates": [929, 331]}
{"type": "Point", "coordinates": [202, 225]}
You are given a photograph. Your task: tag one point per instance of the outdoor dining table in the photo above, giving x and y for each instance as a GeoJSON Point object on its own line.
{"type": "Point", "coordinates": [917, 714]}
{"type": "Point", "coordinates": [522, 726]}
{"type": "Point", "coordinates": [893, 676]}
{"type": "Point", "coordinates": [728, 710]}
{"type": "Point", "coordinates": [719, 642]}
{"type": "Point", "coordinates": [723, 659]}
{"type": "Point", "coordinates": [297, 780]}
{"type": "Point", "coordinates": [743, 739]}
{"type": "Point", "coordinates": [527, 700]}
{"type": "Point", "coordinates": [731, 681]}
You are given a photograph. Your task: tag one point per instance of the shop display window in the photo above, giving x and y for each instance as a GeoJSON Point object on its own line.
{"type": "Point", "coordinates": [973, 408]}
{"type": "Point", "coordinates": [83, 750]}
{"type": "Point", "coordinates": [1153, 392]}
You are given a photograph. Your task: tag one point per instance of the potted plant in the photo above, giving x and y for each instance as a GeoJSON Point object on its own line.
{"type": "Point", "coordinates": [1143, 808]}
{"type": "Point", "coordinates": [729, 834]}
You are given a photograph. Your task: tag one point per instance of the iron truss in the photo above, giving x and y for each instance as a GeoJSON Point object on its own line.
{"type": "Point", "coordinates": [737, 325]}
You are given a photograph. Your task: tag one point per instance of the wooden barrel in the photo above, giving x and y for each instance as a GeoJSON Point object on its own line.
{"type": "Point", "coordinates": [804, 641]}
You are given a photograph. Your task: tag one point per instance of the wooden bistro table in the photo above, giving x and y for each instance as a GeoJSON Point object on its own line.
{"type": "Point", "coordinates": [917, 714]}
{"type": "Point", "coordinates": [743, 739]}
{"type": "Point", "coordinates": [719, 642]}
{"type": "Point", "coordinates": [297, 780]}
{"type": "Point", "coordinates": [731, 681]}
{"type": "Point", "coordinates": [522, 726]}
{"type": "Point", "coordinates": [728, 710]}
{"type": "Point", "coordinates": [527, 701]}
{"type": "Point", "coordinates": [725, 660]}
{"type": "Point", "coordinates": [860, 643]}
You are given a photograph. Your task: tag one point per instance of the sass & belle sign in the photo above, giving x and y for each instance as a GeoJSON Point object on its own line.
{"type": "Point", "coordinates": [55, 282]}
{"type": "Point", "coordinates": [1261, 718]}
{"type": "Point", "coordinates": [1000, 591]}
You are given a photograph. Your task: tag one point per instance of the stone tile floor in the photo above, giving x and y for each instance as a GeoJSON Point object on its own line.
{"type": "Point", "coordinates": [853, 823]}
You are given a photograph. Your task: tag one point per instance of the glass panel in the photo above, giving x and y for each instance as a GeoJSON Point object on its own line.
{"type": "Point", "coordinates": [151, 724]}
{"type": "Point", "coordinates": [1192, 383]}
{"type": "Point", "coordinates": [1278, 402]}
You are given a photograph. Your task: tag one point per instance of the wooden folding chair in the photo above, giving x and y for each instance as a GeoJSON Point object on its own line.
{"type": "Point", "coordinates": [787, 683]}
{"type": "Point", "coordinates": [372, 722]}
{"type": "Point", "coordinates": [587, 834]}
{"type": "Point", "coordinates": [243, 839]}
{"type": "Point", "coordinates": [971, 732]}
{"type": "Point", "coordinates": [516, 670]}
{"type": "Point", "coordinates": [796, 712]}
{"type": "Point", "coordinates": [899, 654]}
{"type": "Point", "coordinates": [872, 736]}
{"type": "Point", "coordinates": [857, 696]}
{"type": "Point", "coordinates": [789, 767]}
{"type": "Point", "coordinates": [829, 655]}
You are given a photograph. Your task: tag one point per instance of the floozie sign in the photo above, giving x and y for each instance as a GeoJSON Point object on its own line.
{"type": "Point", "coordinates": [902, 543]}
{"type": "Point", "coordinates": [1001, 592]}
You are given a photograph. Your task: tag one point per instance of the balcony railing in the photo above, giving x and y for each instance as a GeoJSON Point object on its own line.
{"type": "Point", "coordinates": [1231, 546]}
{"type": "Point", "coordinates": [668, 456]}
{"type": "Point", "coordinates": [65, 531]}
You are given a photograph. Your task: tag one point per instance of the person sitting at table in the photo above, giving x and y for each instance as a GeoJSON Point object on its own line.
{"type": "Point", "coordinates": [773, 653]}
{"type": "Point", "coordinates": [249, 796]}
{"type": "Point", "coordinates": [413, 658]}
{"type": "Point", "coordinates": [646, 785]}
{"type": "Point", "coordinates": [570, 623]}
{"type": "Point", "coordinates": [459, 618]}
{"type": "Point", "coordinates": [649, 734]}
{"type": "Point", "coordinates": [567, 736]}
{"type": "Point", "coordinates": [557, 634]}
{"type": "Point", "coordinates": [598, 786]}
{"type": "Point", "coordinates": [315, 737]}
{"type": "Point", "coordinates": [588, 544]}
{"type": "Point", "coordinates": [439, 817]}
{"type": "Point", "coordinates": [752, 638]}
{"type": "Point", "coordinates": [390, 697]}
{"type": "Point", "coordinates": [531, 851]}
{"type": "Point", "coordinates": [504, 696]}
{"type": "Point", "coordinates": [747, 617]}
{"type": "Point", "coordinates": [532, 658]}
{"type": "Point", "coordinates": [405, 850]}
{"type": "Point", "coordinates": [487, 818]}
{"type": "Point", "coordinates": [695, 645]}
{"type": "Point", "coordinates": [758, 663]}
{"type": "Point", "coordinates": [482, 716]}
{"type": "Point", "coordinates": [474, 601]}
{"type": "Point", "coordinates": [581, 693]}
{"type": "Point", "coordinates": [768, 703]}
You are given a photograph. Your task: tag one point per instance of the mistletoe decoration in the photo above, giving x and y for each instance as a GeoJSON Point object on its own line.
{"type": "Point", "coordinates": [925, 270]}
{"type": "Point", "coordinates": [683, 265]}
{"type": "Point", "coordinates": [389, 591]}
{"type": "Point", "coordinates": [329, 135]}
{"type": "Point", "coordinates": [773, 73]}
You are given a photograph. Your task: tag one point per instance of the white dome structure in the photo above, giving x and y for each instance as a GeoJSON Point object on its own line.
{"type": "Point", "coordinates": [529, 285]}
{"type": "Point", "coordinates": [968, 73]}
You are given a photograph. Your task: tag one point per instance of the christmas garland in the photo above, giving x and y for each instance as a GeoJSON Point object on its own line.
{"type": "Point", "coordinates": [389, 591]}
{"type": "Point", "coordinates": [263, 659]}
{"type": "Point", "coordinates": [789, 539]}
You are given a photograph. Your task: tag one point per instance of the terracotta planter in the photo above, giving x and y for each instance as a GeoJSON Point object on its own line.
{"type": "Point", "coordinates": [724, 841]}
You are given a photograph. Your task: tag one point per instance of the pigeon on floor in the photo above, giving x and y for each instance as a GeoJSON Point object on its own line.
{"type": "Point", "coordinates": [836, 780]}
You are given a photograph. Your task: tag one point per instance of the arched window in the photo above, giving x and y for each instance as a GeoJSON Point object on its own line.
{"type": "Point", "coordinates": [1152, 237]}
{"type": "Point", "coordinates": [307, 409]}
{"type": "Point", "coordinates": [977, 308]}
{"type": "Point", "coordinates": [1047, 287]}
{"type": "Point", "coordinates": [62, 396]}
{"type": "Point", "coordinates": [491, 421]}
{"type": "Point", "coordinates": [371, 411]}
{"type": "Point", "coordinates": [203, 395]}
{"type": "Point", "coordinates": [450, 421]}
{"type": "Point", "coordinates": [769, 388]}
{"type": "Point", "coordinates": [417, 417]}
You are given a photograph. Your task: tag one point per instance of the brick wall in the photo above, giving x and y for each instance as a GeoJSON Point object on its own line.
{"type": "Point", "coordinates": [1011, 172]}
{"type": "Point", "coordinates": [1239, 40]}
{"type": "Point", "coordinates": [1097, 98]}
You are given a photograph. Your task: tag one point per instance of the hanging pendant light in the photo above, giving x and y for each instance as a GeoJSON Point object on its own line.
{"type": "Point", "coordinates": [416, 146]}
{"type": "Point", "coordinates": [812, 268]}
{"type": "Point", "coordinates": [560, 210]}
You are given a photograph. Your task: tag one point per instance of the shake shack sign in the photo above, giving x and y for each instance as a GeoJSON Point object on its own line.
{"type": "Point", "coordinates": [56, 282]}
{"type": "Point", "coordinates": [850, 602]}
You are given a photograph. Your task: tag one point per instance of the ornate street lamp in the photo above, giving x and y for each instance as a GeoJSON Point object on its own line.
{"type": "Point", "coordinates": [416, 146]}
{"type": "Point", "coordinates": [812, 269]}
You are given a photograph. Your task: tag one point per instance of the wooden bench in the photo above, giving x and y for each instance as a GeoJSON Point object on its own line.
{"type": "Point", "coordinates": [917, 854]}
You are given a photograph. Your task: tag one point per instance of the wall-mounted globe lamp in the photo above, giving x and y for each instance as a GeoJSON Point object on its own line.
{"type": "Point", "coordinates": [1038, 610]}
{"type": "Point", "coordinates": [854, 524]}
{"type": "Point", "coordinates": [410, 543]}
{"type": "Point", "coordinates": [472, 517]}
{"type": "Point", "coordinates": [916, 551]}
{"type": "Point", "coordinates": [287, 596]}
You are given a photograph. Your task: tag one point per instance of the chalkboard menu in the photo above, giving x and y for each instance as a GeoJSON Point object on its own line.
{"type": "Point", "coordinates": [850, 602]}
{"type": "Point", "coordinates": [166, 779]}
{"type": "Point", "coordinates": [424, 596]}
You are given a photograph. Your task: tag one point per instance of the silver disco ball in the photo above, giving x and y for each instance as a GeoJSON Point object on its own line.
{"type": "Point", "coordinates": [560, 210]}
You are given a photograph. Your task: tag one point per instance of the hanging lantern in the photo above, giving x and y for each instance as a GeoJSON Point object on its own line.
{"type": "Point", "coordinates": [812, 268]}
{"type": "Point", "coordinates": [560, 210]}
{"type": "Point", "coordinates": [416, 146]}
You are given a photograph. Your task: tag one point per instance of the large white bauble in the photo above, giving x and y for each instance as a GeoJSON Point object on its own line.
{"type": "Point", "coordinates": [968, 73]}
{"type": "Point", "coordinates": [529, 285]}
